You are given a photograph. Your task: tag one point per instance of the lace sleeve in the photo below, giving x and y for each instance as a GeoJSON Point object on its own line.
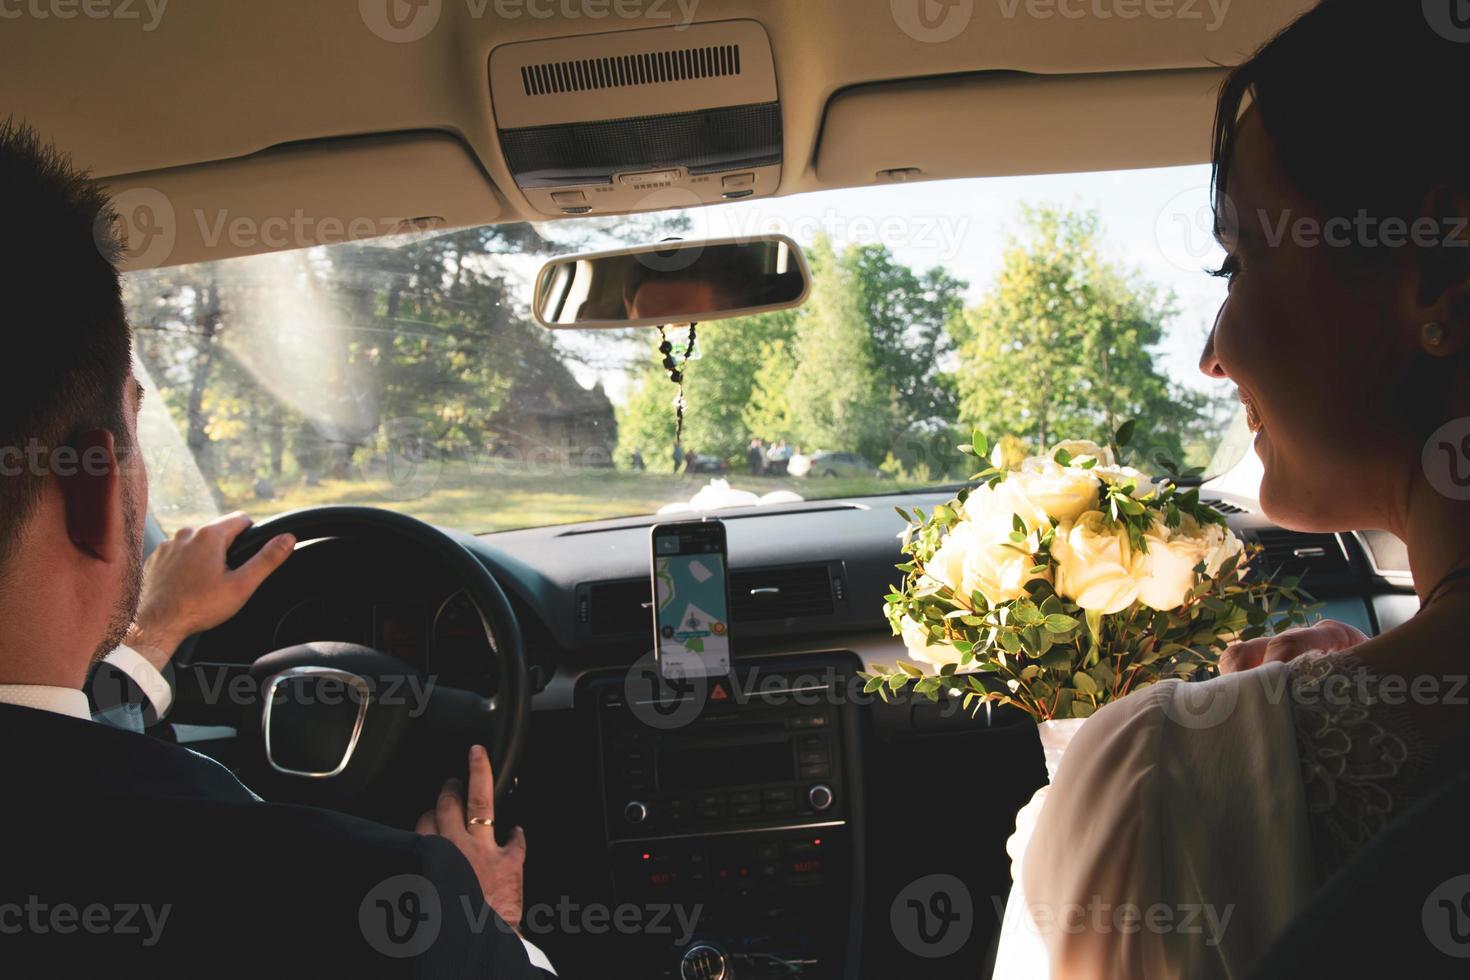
{"type": "Point", "coordinates": [1362, 758]}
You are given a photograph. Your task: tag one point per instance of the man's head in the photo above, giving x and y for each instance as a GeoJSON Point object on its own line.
{"type": "Point", "coordinates": [72, 493]}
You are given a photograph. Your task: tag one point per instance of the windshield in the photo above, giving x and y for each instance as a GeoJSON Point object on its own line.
{"type": "Point", "coordinates": [407, 373]}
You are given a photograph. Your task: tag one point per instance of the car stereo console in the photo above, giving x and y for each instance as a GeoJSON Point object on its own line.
{"type": "Point", "coordinates": [736, 797]}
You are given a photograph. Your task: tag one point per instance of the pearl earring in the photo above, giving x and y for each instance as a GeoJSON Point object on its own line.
{"type": "Point", "coordinates": [1433, 335]}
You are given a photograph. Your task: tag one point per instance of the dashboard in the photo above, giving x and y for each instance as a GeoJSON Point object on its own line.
{"type": "Point", "coordinates": [345, 591]}
{"type": "Point", "coordinates": [757, 811]}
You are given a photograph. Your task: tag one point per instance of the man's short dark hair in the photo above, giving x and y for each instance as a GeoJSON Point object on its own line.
{"type": "Point", "coordinates": [68, 352]}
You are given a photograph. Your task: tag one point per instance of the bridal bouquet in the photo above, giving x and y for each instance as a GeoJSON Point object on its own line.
{"type": "Point", "coordinates": [1068, 582]}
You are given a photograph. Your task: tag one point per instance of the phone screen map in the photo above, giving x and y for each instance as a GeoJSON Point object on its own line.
{"type": "Point", "coordinates": [693, 630]}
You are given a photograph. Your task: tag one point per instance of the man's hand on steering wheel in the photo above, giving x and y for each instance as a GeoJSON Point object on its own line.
{"type": "Point", "coordinates": [470, 825]}
{"type": "Point", "coordinates": [188, 588]}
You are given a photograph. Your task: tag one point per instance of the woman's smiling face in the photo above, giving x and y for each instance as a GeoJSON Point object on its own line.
{"type": "Point", "coordinates": [1315, 341]}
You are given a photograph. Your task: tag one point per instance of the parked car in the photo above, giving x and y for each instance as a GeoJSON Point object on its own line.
{"type": "Point", "coordinates": [831, 464]}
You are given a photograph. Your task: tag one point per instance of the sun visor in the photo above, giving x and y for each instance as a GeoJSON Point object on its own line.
{"type": "Point", "coordinates": [298, 196]}
{"type": "Point", "coordinates": [1008, 123]}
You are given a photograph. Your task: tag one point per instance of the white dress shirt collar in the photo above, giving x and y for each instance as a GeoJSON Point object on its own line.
{"type": "Point", "coordinates": [60, 700]}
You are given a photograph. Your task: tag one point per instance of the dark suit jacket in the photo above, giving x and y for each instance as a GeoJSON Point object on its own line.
{"type": "Point", "coordinates": [123, 855]}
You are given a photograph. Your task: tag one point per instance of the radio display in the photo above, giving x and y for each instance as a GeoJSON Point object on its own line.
{"type": "Point", "coordinates": [710, 766]}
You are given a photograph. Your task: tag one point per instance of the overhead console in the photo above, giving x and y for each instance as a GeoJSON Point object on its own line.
{"type": "Point", "coordinates": [644, 120]}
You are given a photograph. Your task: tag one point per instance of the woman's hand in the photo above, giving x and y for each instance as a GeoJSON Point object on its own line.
{"type": "Point", "coordinates": [1327, 636]}
{"type": "Point", "coordinates": [501, 870]}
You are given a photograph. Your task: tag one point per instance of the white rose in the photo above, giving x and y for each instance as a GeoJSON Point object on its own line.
{"type": "Point", "coordinates": [1169, 564]}
{"type": "Point", "coordinates": [999, 572]}
{"type": "Point", "coordinates": [1142, 483]}
{"type": "Point", "coordinates": [924, 648]}
{"type": "Point", "coordinates": [1096, 566]}
{"type": "Point", "coordinates": [1061, 492]}
{"type": "Point", "coordinates": [947, 567]}
{"type": "Point", "coordinates": [1083, 449]}
{"type": "Point", "coordinates": [977, 556]}
{"type": "Point", "coordinates": [1220, 544]}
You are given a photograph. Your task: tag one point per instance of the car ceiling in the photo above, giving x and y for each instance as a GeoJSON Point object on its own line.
{"type": "Point", "coordinates": [272, 105]}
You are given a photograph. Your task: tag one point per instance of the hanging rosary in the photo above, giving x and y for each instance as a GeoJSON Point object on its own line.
{"type": "Point", "coordinates": [676, 375]}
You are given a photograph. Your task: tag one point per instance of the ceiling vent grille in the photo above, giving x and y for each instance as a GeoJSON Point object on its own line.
{"type": "Point", "coordinates": [652, 68]}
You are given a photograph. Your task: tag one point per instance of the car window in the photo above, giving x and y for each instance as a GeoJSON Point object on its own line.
{"type": "Point", "coordinates": [407, 373]}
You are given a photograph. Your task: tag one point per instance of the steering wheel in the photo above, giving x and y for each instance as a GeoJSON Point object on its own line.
{"type": "Point", "coordinates": [325, 719]}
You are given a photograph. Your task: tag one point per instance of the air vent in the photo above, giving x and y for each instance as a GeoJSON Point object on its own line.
{"type": "Point", "coordinates": [1302, 555]}
{"type": "Point", "coordinates": [1220, 506]}
{"type": "Point", "coordinates": [653, 68]}
{"type": "Point", "coordinates": [792, 592]}
{"type": "Point", "coordinates": [617, 608]}
{"type": "Point", "coordinates": [756, 595]}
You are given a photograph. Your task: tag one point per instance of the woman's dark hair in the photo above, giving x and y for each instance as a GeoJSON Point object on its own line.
{"type": "Point", "coordinates": [1361, 99]}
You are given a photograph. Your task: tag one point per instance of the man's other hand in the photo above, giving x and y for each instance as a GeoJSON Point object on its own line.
{"type": "Point", "coordinates": [188, 588]}
{"type": "Point", "coordinates": [501, 870]}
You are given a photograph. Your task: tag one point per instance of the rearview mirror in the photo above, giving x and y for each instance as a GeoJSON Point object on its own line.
{"type": "Point", "coordinates": [672, 282]}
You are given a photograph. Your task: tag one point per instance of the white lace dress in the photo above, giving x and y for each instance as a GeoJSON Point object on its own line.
{"type": "Point", "coordinates": [1189, 823]}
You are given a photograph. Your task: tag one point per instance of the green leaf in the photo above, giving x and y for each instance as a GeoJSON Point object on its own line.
{"type": "Point", "coordinates": [1059, 623]}
{"type": "Point", "coordinates": [910, 669]}
{"type": "Point", "coordinates": [980, 444]}
{"type": "Point", "coordinates": [1084, 683]}
{"type": "Point", "coordinates": [1124, 435]}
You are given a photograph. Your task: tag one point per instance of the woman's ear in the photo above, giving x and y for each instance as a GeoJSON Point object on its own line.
{"type": "Point", "coordinates": [1443, 266]}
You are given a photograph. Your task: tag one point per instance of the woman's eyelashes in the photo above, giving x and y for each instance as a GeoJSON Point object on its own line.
{"type": "Point", "coordinates": [1228, 270]}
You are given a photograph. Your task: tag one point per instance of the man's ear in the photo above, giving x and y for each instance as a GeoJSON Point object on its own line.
{"type": "Point", "coordinates": [90, 476]}
{"type": "Point", "coordinates": [1443, 258]}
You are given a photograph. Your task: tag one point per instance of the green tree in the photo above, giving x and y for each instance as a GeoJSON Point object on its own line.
{"type": "Point", "coordinates": [1062, 346]}
{"type": "Point", "coordinates": [839, 396]}
{"type": "Point", "coordinates": [908, 315]}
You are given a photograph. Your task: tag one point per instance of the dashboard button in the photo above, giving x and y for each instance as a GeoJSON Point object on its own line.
{"type": "Point", "coordinates": [635, 812]}
{"type": "Point", "coordinates": [819, 796]}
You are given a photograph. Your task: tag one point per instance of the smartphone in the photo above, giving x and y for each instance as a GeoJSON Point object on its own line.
{"type": "Point", "coordinates": [691, 599]}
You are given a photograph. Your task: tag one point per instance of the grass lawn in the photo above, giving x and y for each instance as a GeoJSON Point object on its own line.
{"type": "Point", "coordinates": [500, 495]}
